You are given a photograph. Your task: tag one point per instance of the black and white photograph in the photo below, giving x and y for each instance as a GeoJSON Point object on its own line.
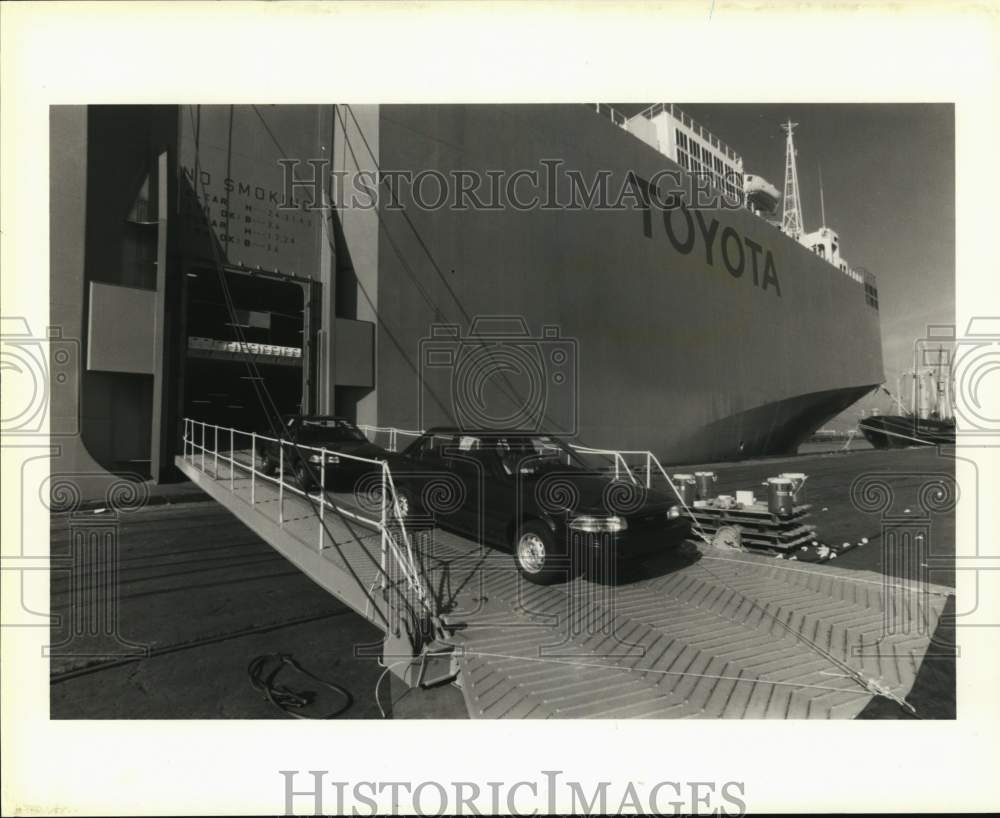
{"type": "Point", "coordinates": [627, 407]}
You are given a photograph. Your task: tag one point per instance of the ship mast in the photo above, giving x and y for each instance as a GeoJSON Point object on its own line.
{"type": "Point", "coordinates": [791, 216]}
{"type": "Point", "coordinates": [822, 203]}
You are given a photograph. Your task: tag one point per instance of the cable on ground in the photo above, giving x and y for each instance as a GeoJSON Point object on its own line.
{"type": "Point", "coordinates": [263, 672]}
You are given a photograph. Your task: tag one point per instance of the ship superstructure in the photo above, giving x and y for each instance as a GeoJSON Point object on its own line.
{"type": "Point", "coordinates": [667, 128]}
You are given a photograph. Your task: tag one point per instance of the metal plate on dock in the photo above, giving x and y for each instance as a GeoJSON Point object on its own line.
{"type": "Point", "coordinates": [705, 637]}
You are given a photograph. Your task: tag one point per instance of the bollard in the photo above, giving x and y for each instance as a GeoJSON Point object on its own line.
{"type": "Point", "coordinates": [684, 485]}
{"type": "Point", "coordinates": [705, 481]}
{"type": "Point", "coordinates": [779, 496]}
{"type": "Point", "coordinates": [798, 486]}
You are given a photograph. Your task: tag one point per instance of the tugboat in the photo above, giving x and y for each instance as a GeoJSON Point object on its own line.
{"type": "Point", "coordinates": [901, 431]}
{"type": "Point", "coordinates": [930, 423]}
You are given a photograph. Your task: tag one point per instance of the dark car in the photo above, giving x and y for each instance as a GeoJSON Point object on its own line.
{"type": "Point", "coordinates": [536, 496]}
{"type": "Point", "coordinates": [339, 436]}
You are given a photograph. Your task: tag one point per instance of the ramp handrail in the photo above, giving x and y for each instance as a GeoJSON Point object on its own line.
{"type": "Point", "coordinates": [651, 464]}
{"type": "Point", "coordinates": [390, 512]}
{"type": "Point", "coordinates": [619, 458]}
{"type": "Point", "coordinates": [392, 431]}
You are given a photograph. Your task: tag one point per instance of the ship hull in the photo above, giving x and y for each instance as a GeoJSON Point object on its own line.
{"type": "Point", "coordinates": [701, 334]}
{"type": "Point", "coordinates": [685, 348]}
{"type": "Point", "coordinates": [901, 432]}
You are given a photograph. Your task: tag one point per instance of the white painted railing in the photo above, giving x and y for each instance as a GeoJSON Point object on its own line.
{"type": "Point", "coordinates": [650, 464]}
{"type": "Point", "coordinates": [394, 434]}
{"type": "Point", "coordinates": [201, 441]}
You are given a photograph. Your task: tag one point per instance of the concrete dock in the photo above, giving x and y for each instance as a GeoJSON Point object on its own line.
{"type": "Point", "coordinates": [199, 596]}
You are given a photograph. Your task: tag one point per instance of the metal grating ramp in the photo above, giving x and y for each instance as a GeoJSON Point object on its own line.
{"type": "Point", "coordinates": [697, 633]}
{"type": "Point", "coordinates": [709, 637]}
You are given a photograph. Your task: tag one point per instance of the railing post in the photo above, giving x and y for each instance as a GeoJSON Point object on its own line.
{"type": "Point", "coordinates": [186, 438]}
{"type": "Point", "coordinates": [322, 497]}
{"type": "Point", "coordinates": [253, 466]}
{"type": "Point", "coordinates": [232, 457]}
{"type": "Point", "coordinates": [216, 436]}
{"type": "Point", "coordinates": [281, 482]}
{"type": "Point", "coordinates": [392, 440]}
{"type": "Point", "coordinates": [649, 467]}
{"type": "Point", "coordinates": [385, 533]}
{"type": "Point", "coordinates": [203, 447]}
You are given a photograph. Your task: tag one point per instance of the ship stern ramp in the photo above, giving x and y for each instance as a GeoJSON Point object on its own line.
{"type": "Point", "coordinates": [694, 632]}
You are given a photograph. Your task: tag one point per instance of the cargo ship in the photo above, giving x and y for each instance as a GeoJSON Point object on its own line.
{"type": "Point", "coordinates": [201, 253]}
{"type": "Point", "coordinates": [930, 420]}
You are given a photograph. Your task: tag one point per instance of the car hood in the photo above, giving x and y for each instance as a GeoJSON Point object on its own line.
{"type": "Point", "coordinates": [596, 494]}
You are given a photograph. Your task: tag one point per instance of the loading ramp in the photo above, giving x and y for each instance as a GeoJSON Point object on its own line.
{"type": "Point", "coordinates": [694, 633]}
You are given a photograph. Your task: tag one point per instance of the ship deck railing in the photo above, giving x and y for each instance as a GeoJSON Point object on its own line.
{"type": "Point", "coordinates": [621, 120]}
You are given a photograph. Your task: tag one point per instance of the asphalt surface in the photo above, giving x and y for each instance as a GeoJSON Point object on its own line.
{"type": "Point", "coordinates": [904, 480]}
{"type": "Point", "coordinates": [205, 597]}
{"type": "Point", "coordinates": [198, 597]}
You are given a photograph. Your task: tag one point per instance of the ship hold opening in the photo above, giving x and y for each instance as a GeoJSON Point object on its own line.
{"type": "Point", "coordinates": [246, 347]}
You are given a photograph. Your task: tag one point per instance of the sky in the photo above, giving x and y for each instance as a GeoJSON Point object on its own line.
{"type": "Point", "coordinates": [889, 187]}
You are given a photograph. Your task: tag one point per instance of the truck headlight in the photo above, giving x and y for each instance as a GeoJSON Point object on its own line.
{"type": "Point", "coordinates": [331, 459]}
{"type": "Point", "coordinates": [673, 512]}
{"type": "Point", "coordinates": [595, 525]}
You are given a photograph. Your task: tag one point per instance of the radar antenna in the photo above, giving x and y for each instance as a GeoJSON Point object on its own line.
{"type": "Point", "coordinates": [791, 217]}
